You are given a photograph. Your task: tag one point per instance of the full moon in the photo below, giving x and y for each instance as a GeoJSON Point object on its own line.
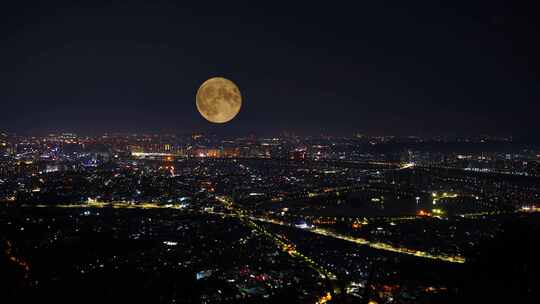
{"type": "Point", "coordinates": [218, 100]}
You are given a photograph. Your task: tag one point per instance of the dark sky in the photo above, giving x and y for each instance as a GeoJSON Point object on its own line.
{"type": "Point", "coordinates": [375, 66]}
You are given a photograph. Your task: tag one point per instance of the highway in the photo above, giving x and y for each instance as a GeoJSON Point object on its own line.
{"type": "Point", "coordinates": [376, 245]}
{"type": "Point", "coordinates": [286, 246]}
{"type": "Point", "coordinates": [253, 219]}
{"type": "Point", "coordinates": [281, 242]}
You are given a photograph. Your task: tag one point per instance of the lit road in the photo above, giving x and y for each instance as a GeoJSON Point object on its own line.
{"type": "Point", "coordinates": [286, 246]}
{"type": "Point", "coordinates": [376, 245]}
{"type": "Point", "coordinates": [282, 243]}
{"type": "Point", "coordinates": [279, 241]}
{"type": "Point", "coordinates": [247, 220]}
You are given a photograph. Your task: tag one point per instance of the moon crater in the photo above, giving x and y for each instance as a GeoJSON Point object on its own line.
{"type": "Point", "coordinates": [218, 100]}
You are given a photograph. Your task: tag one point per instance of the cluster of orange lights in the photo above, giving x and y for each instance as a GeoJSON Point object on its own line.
{"type": "Point", "coordinates": [435, 289]}
{"type": "Point", "coordinates": [288, 248]}
{"type": "Point", "coordinates": [208, 186]}
{"type": "Point", "coordinates": [434, 212]}
{"type": "Point", "coordinates": [423, 213]}
{"type": "Point", "coordinates": [20, 262]}
{"type": "Point", "coordinates": [327, 297]}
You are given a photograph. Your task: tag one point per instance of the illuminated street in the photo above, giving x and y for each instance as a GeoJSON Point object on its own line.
{"type": "Point", "coordinates": [249, 221]}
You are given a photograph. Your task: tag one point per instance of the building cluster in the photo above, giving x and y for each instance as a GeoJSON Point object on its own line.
{"type": "Point", "coordinates": [201, 218]}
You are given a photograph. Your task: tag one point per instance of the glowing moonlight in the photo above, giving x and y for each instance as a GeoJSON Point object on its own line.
{"type": "Point", "coordinates": [218, 100]}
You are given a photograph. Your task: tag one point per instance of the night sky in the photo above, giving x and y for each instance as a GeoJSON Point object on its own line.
{"type": "Point", "coordinates": [376, 67]}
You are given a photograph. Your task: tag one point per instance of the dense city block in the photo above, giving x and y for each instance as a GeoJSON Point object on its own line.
{"type": "Point", "coordinates": [198, 218]}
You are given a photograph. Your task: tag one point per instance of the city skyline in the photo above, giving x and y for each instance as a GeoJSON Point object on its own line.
{"type": "Point", "coordinates": [264, 152]}
{"type": "Point", "coordinates": [200, 218]}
